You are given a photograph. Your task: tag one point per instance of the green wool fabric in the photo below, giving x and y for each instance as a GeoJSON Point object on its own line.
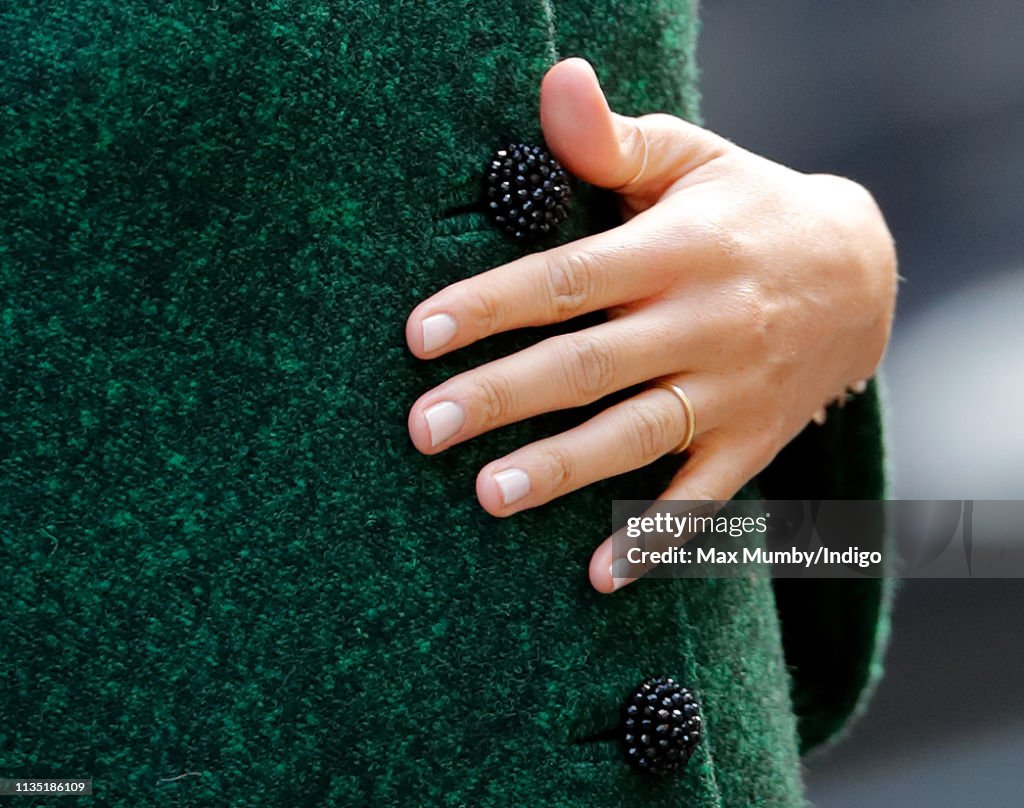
{"type": "Point", "coordinates": [228, 577]}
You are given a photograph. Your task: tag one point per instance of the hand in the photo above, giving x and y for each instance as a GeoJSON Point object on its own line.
{"type": "Point", "coordinates": [761, 291]}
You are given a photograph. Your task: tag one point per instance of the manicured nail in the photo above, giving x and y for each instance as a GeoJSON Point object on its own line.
{"type": "Point", "coordinates": [514, 485]}
{"type": "Point", "coordinates": [619, 572]}
{"type": "Point", "coordinates": [860, 386]}
{"type": "Point", "coordinates": [438, 330]}
{"type": "Point", "coordinates": [443, 421]}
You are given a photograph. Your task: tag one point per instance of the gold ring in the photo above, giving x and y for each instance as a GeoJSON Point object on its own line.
{"type": "Point", "coordinates": [691, 418]}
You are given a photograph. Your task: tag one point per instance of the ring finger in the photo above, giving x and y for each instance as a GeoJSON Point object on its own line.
{"type": "Point", "coordinates": [626, 436]}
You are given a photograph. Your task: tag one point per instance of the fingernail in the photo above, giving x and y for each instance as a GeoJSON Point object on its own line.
{"type": "Point", "coordinates": [514, 485]}
{"type": "Point", "coordinates": [443, 421]}
{"type": "Point", "coordinates": [860, 386]}
{"type": "Point", "coordinates": [619, 572]}
{"type": "Point", "coordinates": [438, 330]}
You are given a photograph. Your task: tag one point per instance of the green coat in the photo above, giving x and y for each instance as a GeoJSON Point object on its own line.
{"type": "Point", "coordinates": [229, 576]}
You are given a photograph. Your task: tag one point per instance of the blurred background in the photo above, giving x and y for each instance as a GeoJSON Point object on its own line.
{"type": "Point", "coordinates": [924, 104]}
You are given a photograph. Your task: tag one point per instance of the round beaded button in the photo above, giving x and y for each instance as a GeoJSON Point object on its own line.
{"type": "Point", "coordinates": [661, 725]}
{"type": "Point", "coordinates": [526, 191]}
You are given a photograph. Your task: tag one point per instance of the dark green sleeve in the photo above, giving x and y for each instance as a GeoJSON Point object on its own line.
{"type": "Point", "coordinates": [835, 631]}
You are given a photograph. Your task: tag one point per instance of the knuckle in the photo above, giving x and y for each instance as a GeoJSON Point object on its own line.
{"type": "Point", "coordinates": [651, 432]}
{"type": "Point", "coordinates": [590, 366]}
{"type": "Point", "coordinates": [635, 137]}
{"type": "Point", "coordinates": [727, 243]}
{"type": "Point", "coordinates": [487, 312]}
{"type": "Point", "coordinates": [719, 242]}
{"type": "Point", "coordinates": [496, 399]}
{"type": "Point", "coordinates": [561, 467]}
{"type": "Point", "coordinates": [703, 492]}
{"type": "Point", "coordinates": [755, 312]}
{"type": "Point", "coordinates": [571, 278]}
{"type": "Point", "coordinates": [699, 492]}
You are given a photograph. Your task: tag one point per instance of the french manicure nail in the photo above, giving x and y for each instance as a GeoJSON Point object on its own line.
{"type": "Point", "coordinates": [619, 572]}
{"type": "Point", "coordinates": [443, 421]}
{"type": "Point", "coordinates": [438, 330]}
{"type": "Point", "coordinates": [514, 485]}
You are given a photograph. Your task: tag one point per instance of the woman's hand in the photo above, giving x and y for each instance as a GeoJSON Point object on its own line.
{"type": "Point", "coordinates": [761, 291]}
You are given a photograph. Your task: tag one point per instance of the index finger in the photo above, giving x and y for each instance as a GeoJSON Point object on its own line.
{"type": "Point", "coordinates": [617, 266]}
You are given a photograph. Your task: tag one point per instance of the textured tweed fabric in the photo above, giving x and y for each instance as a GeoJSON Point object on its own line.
{"type": "Point", "coordinates": [228, 578]}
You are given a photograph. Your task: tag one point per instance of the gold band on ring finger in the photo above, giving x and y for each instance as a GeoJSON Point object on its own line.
{"type": "Point", "coordinates": [691, 417]}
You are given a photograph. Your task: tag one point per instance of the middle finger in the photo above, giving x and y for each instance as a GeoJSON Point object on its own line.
{"type": "Point", "coordinates": [568, 370]}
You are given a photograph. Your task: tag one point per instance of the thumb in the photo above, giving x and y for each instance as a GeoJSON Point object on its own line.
{"type": "Point", "coordinates": [635, 156]}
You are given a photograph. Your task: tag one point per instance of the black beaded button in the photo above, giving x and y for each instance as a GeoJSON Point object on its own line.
{"type": "Point", "coordinates": [526, 191]}
{"type": "Point", "coordinates": [661, 726]}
